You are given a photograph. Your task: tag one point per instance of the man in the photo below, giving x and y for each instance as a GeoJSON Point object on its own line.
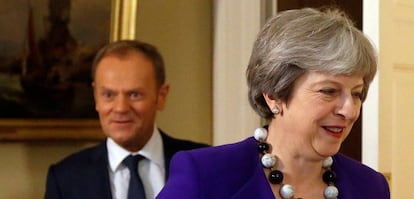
{"type": "Point", "coordinates": [129, 88]}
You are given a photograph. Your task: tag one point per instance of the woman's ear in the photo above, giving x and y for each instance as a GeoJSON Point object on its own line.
{"type": "Point", "coordinates": [274, 104]}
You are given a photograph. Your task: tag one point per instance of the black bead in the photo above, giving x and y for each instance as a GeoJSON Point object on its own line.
{"type": "Point", "coordinates": [263, 147]}
{"type": "Point", "coordinates": [329, 177]}
{"type": "Point", "coordinates": [276, 177]}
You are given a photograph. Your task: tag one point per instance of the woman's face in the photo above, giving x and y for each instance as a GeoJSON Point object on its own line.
{"type": "Point", "coordinates": [321, 111]}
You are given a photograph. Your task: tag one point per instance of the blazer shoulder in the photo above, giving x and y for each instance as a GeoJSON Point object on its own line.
{"type": "Point", "coordinates": [83, 174]}
{"type": "Point", "coordinates": [349, 165]}
{"type": "Point", "coordinates": [175, 144]}
{"type": "Point", "coordinates": [353, 177]}
{"type": "Point", "coordinates": [238, 153]}
{"type": "Point", "coordinates": [217, 172]}
{"type": "Point", "coordinates": [83, 157]}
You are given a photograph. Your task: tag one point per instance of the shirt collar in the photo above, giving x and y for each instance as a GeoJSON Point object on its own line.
{"type": "Point", "coordinates": [153, 151]}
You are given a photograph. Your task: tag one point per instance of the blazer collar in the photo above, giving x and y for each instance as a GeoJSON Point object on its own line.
{"type": "Point", "coordinates": [97, 173]}
{"type": "Point", "coordinates": [257, 186]}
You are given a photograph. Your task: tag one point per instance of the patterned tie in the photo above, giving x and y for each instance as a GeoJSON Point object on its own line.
{"type": "Point", "coordinates": [136, 188]}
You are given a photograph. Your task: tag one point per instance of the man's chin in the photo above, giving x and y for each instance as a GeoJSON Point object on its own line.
{"type": "Point", "coordinates": [121, 135]}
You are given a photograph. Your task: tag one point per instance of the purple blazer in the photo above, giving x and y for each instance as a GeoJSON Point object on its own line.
{"type": "Point", "coordinates": [234, 171]}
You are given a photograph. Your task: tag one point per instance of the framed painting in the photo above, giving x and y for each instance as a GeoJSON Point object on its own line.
{"type": "Point", "coordinates": [46, 51]}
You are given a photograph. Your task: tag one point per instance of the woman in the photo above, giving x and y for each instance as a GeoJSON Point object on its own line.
{"type": "Point", "coordinates": [308, 75]}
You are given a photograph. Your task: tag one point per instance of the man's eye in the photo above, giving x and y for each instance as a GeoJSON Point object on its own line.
{"type": "Point", "coordinates": [135, 94]}
{"type": "Point", "coordinates": [108, 94]}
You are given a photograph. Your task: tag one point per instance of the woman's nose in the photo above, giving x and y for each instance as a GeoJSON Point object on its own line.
{"type": "Point", "coordinates": [349, 107]}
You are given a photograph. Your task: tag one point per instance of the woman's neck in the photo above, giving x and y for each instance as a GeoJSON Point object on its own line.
{"type": "Point", "coordinates": [300, 169]}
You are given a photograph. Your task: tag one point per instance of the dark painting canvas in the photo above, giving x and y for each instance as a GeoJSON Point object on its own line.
{"type": "Point", "coordinates": [46, 50]}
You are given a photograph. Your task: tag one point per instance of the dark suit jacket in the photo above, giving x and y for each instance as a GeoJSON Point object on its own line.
{"type": "Point", "coordinates": [84, 175]}
{"type": "Point", "coordinates": [234, 171]}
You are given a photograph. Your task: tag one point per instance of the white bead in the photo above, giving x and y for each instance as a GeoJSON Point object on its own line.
{"type": "Point", "coordinates": [327, 162]}
{"type": "Point", "coordinates": [331, 192]}
{"type": "Point", "coordinates": [268, 160]}
{"type": "Point", "coordinates": [260, 134]}
{"type": "Point", "coordinates": [287, 191]}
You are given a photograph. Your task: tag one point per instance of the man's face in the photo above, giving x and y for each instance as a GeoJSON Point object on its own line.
{"type": "Point", "coordinates": [127, 99]}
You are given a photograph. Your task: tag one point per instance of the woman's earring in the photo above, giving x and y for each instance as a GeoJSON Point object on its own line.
{"type": "Point", "coordinates": [275, 110]}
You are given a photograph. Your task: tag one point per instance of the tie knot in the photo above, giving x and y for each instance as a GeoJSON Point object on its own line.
{"type": "Point", "coordinates": [131, 162]}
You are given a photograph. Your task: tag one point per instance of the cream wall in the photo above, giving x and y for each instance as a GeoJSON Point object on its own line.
{"type": "Point", "coordinates": [370, 149]}
{"type": "Point", "coordinates": [23, 167]}
{"type": "Point", "coordinates": [236, 24]}
{"type": "Point", "coordinates": [183, 32]}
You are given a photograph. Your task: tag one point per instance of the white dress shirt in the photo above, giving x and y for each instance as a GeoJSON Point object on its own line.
{"type": "Point", "coordinates": [151, 169]}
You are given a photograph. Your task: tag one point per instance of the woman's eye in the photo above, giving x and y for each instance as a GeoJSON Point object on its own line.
{"type": "Point", "coordinates": [328, 91]}
{"type": "Point", "coordinates": [358, 95]}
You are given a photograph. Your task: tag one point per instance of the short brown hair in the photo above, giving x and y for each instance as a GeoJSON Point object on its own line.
{"type": "Point", "coordinates": [124, 47]}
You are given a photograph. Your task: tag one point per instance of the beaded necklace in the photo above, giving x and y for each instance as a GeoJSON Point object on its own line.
{"type": "Point", "coordinates": [276, 176]}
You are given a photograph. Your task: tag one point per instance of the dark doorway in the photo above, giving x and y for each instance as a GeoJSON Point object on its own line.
{"type": "Point", "coordinates": [353, 144]}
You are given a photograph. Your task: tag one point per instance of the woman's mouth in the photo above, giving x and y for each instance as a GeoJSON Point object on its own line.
{"type": "Point", "coordinates": [334, 131]}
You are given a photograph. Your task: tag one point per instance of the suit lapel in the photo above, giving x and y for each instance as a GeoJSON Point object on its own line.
{"type": "Point", "coordinates": [169, 150]}
{"type": "Point", "coordinates": [98, 173]}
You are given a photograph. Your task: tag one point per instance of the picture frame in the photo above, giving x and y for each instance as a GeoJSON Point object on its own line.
{"type": "Point", "coordinates": [121, 22]}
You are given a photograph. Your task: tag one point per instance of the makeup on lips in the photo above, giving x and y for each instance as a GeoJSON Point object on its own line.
{"type": "Point", "coordinates": [335, 131]}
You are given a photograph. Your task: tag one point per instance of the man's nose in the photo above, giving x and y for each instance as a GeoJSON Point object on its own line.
{"type": "Point", "coordinates": [121, 104]}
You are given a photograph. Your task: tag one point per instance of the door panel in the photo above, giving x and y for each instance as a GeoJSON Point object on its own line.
{"type": "Point", "coordinates": [396, 84]}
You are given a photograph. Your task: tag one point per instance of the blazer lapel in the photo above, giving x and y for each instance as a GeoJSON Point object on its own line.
{"type": "Point", "coordinates": [256, 187]}
{"type": "Point", "coordinates": [169, 149]}
{"type": "Point", "coordinates": [98, 173]}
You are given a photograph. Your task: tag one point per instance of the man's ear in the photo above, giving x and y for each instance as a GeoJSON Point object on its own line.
{"type": "Point", "coordinates": [94, 94]}
{"type": "Point", "coordinates": [162, 96]}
